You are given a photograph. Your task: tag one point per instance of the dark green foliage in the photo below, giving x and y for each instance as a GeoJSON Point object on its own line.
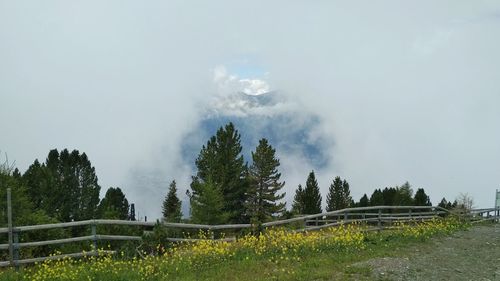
{"type": "Point", "coordinates": [32, 178]}
{"type": "Point", "coordinates": [298, 201]}
{"type": "Point", "coordinates": [312, 195]}
{"type": "Point", "coordinates": [447, 204]}
{"type": "Point", "coordinates": [339, 195]}
{"type": "Point", "coordinates": [65, 186]}
{"type": "Point", "coordinates": [16, 174]}
{"type": "Point", "coordinates": [221, 161]}
{"type": "Point", "coordinates": [114, 205]}
{"type": "Point", "coordinates": [171, 208]}
{"type": "Point", "coordinates": [21, 205]}
{"type": "Point", "coordinates": [422, 199]}
{"type": "Point", "coordinates": [397, 196]}
{"type": "Point", "coordinates": [40, 185]}
{"type": "Point", "coordinates": [364, 201]}
{"type": "Point", "coordinates": [389, 195]}
{"type": "Point", "coordinates": [377, 198]}
{"type": "Point", "coordinates": [443, 203]}
{"type": "Point", "coordinates": [263, 197]}
{"type": "Point", "coordinates": [400, 196]}
{"type": "Point", "coordinates": [23, 213]}
{"type": "Point", "coordinates": [207, 204]}
{"type": "Point", "coordinates": [404, 195]}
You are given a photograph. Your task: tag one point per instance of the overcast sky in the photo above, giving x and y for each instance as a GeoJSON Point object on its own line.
{"type": "Point", "coordinates": [405, 90]}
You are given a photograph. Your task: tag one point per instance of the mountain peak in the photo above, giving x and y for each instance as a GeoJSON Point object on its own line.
{"type": "Point", "coordinates": [243, 104]}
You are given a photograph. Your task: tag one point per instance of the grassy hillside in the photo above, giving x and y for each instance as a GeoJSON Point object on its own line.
{"type": "Point", "coordinates": [275, 255]}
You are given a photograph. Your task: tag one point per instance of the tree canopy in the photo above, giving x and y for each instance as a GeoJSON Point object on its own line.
{"type": "Point", "coordinates": [339, 195]}
{"type": "Point", "coordinates": [221, 161]}
{"type": "Point", "coordinates": [207, 204]}
{"type": "Point", "coordinates": [171, 208]}
{"type": "Point", "coordinates": [298, 201]}
{"type": "Point", "coordinates": [114, 205]}
{"type": "Point", "coordinates": [312, 196]}
{"type": "Point", "coordinates": [263, 194]}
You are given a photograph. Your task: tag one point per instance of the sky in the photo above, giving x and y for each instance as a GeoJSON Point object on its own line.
{"type": "Point", "coordinates": [404, 90]}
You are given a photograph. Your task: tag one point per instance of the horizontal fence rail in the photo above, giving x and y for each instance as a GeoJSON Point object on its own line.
{"type": "Point", "coordinates": [377, 217]}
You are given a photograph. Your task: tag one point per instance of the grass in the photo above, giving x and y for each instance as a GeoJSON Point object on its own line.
{"type": "Point", "coordinates": [276, 255]}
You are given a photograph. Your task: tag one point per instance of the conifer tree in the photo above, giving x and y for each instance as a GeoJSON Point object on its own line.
{"type": "Point", "coordinates": [263, 194]}
{"type": "Point", "coordinates": [171, 208]}
{"type": "Point", "coordinates": [298, 201]}
{"type": "Point", "coordinates": [346, 195]}
{"type": "Point", "coordinates": [422, 199]}
{"type": "Point", "coordinates": [334, 196]}
{"type": "Point", "coordinates": [23, 210]}
{"type": "Point", "coordinates": [443, 203]}
{"type": "Point", "coordinates": [448, 205]}
{"type": "Point", "coordinates": [34, 178]}
{"type": "Point", "coordinates": [389, 194]}
{"type": "Point", "coordinates": [364, 201]}
{"type": "Point", "coordinates": [312, 195]}
{"type": "Point", "coordinates": [65, 187]}
{"type": "Point", "coordinates": [207, 204]}
{"type": "Point", "coordinates": [339, 195]}
{"type": "Point", "coordinates": [16, 174]}
{"type": "Point", "coordinates": [377, 198]}
{"type": "Point", "coordinates": [114, 205]}
{"type": "Point", "coordinates": [404, 195]}
{"type": "Point", "coordinates": [221, 161]}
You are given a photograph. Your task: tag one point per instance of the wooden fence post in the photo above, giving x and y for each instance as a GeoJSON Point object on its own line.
{"type": "Point", "coordinates": [93, 228]}
{"type": "Point", "coordinates": [15, 247]}
{"type": "Point", "coordinates": [379, 219]}
{"type": "Point", "coordinates": [9, 225]}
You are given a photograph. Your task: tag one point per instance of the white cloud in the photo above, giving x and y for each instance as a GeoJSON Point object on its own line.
{"type": "Point", "coordinates": [233, 95]}
{"type": "Point", "coordinates": [228, 84]}
{"type": "Point", "coordinates": [124, 82]}
{"type": "Point", "coordinates": [254, 86]}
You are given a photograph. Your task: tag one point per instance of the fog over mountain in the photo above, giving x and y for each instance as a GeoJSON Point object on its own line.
{"type": "Point", "coordinates": [378, 92]}
{"type": "Point", "coordinates": [256, 114]}
{"type": "Point", "coordinates": [267, 115]}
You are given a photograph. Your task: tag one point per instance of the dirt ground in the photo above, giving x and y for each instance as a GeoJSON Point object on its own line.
{"type": "Point", "coordinates": [465, 255]}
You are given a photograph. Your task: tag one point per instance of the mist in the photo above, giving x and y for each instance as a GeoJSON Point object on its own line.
{"type": "Point", "coordinates": [403, 91]}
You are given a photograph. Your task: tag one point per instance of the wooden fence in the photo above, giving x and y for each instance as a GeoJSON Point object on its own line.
{"type": "Point", "coordinates": [376, 217]}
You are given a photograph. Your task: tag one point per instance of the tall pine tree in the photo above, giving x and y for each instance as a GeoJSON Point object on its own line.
{"type": "Point", "coordinates": [377, 198]}
{"type": "Point", "coordinates": [263, 193]}
{"type": "Point", "coordinates": [364, 201]}
{"type": "Point", "coordinates": [312, 195]}
{"type": "Point", "coordinates": [221, 161]}
{"type": "Point", "coordinates": [171, 208]}
{"type": "Point", "coordinates": [34, 179]}
{"type": "Point", "coordinates": [207, 204]}
{"type": "Point", "coordinates": [298, 201]}
{"type": "Point", "coordinates": [422, 199]}
{"type": "Point", "coordinates": [339, 195]}
{"type": "Point", "coordinates": [66, 186]}
{"type": "Point", "coordinates": [114, 205]}
{"type": "Point", "coordinates": [404, 195]}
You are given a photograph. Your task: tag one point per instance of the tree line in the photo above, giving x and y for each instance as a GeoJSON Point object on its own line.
{"type": "Point", "coordinates": [224, 189]}
{"type": "Point", "coordinates": [63, 188]}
